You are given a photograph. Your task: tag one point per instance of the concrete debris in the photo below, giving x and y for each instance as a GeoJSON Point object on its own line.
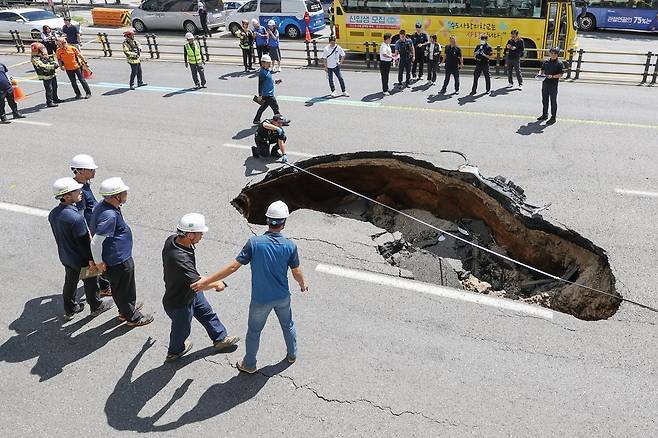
{"type": "Point", "coordinates": [473, 284]}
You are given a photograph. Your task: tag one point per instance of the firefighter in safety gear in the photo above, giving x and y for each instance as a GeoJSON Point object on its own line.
{"type": "Point", "coordinates": [246, 36]}
{"type": "Point", "coordinates": [46, 70]}
{"type": "Point", "coordinates": [192, 56]}
{"type": "Point", "coordinates": [133, 51]}
{"type": "Point", "coordinates": [270, 132]}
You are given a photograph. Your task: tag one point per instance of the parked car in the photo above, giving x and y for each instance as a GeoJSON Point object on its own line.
{"type": "Point", "coordinates": [176, 15]}
{"type": "Point", "coordinates": [29, 21]}
{"type": "Point", "coordinates": [232, 6]}
{"type": "Point", "coordinates": [290, 16]}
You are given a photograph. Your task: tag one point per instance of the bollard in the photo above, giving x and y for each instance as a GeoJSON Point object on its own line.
{"type": "Point", "coordinates": [579, 61]}
{"type": "Point", "coordinates": [155, 46]}
{"type": "Point", "coordinates": [205, 48]}
{"type": "Point", "coordinates": [655, 72]}
{"type": "Point", "coordinates": [20, 47]}
{"type": "Point", "coordinates": [316, 61]}
{"type": "Point", "coordinates": [102, 43]}
{"type": "Point", "coordinates": [569, 64]}
{"type": "Point", "coordinates": [647, 65]}
{"type": "Point", "coordinates": [15, 39]}
{"type": "Point", "coordinates": [148, 43]}
{"type": "Point", "coordinates": [107, 44]}
{"type": "Point", "coordinates": [498, 50]}
{"type": "Point", "coordinates": [308, 53]}
{"type": "Point", "coordinates": [367, 46]}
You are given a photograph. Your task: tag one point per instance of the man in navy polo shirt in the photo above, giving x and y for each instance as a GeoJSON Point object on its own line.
{"type": "Point", "coordinates": [72, 32]}
{"type": "Point", "coordinates": [112, 247]}
{"type": "Point", "coordinates": [72, 238]}
{"type": "Point", "coordinates": [270, 255]}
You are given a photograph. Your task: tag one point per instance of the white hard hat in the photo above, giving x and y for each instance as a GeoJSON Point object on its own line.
{"type": "Point", "coordinates": [189, 36]}
{"type": "Point", "coordinates": [265, 58]}
{"type": "Point", "coordinates": [83, 161]}
{"type": "Point", "coordinates": [192, 223]}
{"type": "Point", "coordinates": [65, 185]}
{"type": "Point", "coordinates": [112, 186]}
{"type": "Point", "coordinates": [277, 210]}
{"type": "Point", "coordinates": [271, 23]}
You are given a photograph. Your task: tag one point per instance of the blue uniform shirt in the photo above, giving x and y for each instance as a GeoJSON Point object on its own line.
{"type": "Point", "coordinates": [68, 226]}
{"type": "Point", "coordinates": [274, 42]}
{"type": "Point", "coordinates": [270, 255]}
{"type": "Point", "coordinates": [5, 83]}
{"type": "Point", "coordinates": [261, 36]}
{"type": "Point", "coordinates": [118, 245]}
{"type": "Point", "coordinates": [265, 83]}
{"type": "Point", "coordinates": [87, 204]}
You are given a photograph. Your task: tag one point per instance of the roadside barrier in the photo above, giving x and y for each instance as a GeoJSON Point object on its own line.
{"type": "Point", "coordinates": [110, 17]}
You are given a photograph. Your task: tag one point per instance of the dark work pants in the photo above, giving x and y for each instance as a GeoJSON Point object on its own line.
{"type": "Point", "coordinates": [481, 69]}
{"type": "Point", "coordinates": [267, 101]}
{"type": "Point", "coordinates": [418, 61]}
{"type": "Point", "coordinates": [384, 69]}
{"type": "Point", "coordinates": [432, 65]}
{"type": "Point", "coordinates": [263, 146]}
{"type": "Point", "coordinates": [262, 50]}
{"type": "Point", "coordinates": [103, 283]}
{"type": "Point", "coordinates": [124, 292]}
{"type": "Point", "coordinates": [50, 86]}
{"type": "Point", "coordinates": [203, 18]}
{"type": "Point", "coordinates": [330, 74]}
{"type": "Point", "coordinates": [404, 66]}
{"type": "Point", "coordinates": [71, 285]}
{"type": "Point", "coordinates": [246, 58]}
{"type": "Point", "coordinates": [454, 72]}
{"type": "Point", "coordinates": [181, 323]}
{"type": "Point", "coordinates": [549, 92]}
{"type": "Point", "coordinates": [73, 74]}
{"type": "Point", "coordinates": [514, 64]}
{"type": "Point", "coordinates": [197, 70]}
{"type": "Point", "coordinates": [9, 96]}
{"type": "Point", "coordinates": [136, 71]}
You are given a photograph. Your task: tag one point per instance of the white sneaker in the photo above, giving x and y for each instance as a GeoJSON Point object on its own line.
{"type": "Point", "coordinates": [386, 93]}
{"type": "Point", "coordinates": [510, 85]}
{"type": "Point", "coordinates": [520, 86]}
{"type": "Point", "coordinates": [334, 93]}
{"type": "Point", "coordinates": [346, 94]}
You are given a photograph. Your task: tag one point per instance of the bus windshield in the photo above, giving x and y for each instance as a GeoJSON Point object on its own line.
{"type": "Point", "coordinates": [480, 8]}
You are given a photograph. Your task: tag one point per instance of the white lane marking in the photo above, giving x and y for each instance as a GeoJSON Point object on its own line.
{"type": "Point", "coordinates": [245, 147]}
{"type": "Point", "coordinates": [29, 122]}
{"type": "Point", "coordinates": [23, 209]}
{"type": "Point", "coordinates": [432, 289]}
{"type": "Point", "coordinates": [637, 193]}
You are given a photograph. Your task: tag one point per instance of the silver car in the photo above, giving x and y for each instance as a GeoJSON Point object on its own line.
{"type": "Point", "coordinates": [176, 15]}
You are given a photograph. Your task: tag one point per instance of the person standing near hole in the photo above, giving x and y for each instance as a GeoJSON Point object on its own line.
{"type": "Point", "coordinates": [46, 69]}
{"type": "Point", "coordinates": [513, 53]}
{"type": "Point", "coordinates": [406, 55]}
{"type": "Point", "coordinates": [246, 36]}
{"type": "Point", "coordinates": [273, 44]}
{"type": "Point", "coordinates": [332, 57]}
{"type": "Point", "coordinates": [454, 61]}
{"type": "Point", "coordinates": [133, 52]}
{"type": "Point", "coordinates": [483, 52]}
{"type": "Point", "coordinates": [552, 70]}
{"type": "Point", "coordinates": [7, 93]}
{"type": "Point", "coordinates": [203, 17]}
{"type": "Point", "coordinates": [71, 60]}
{"type": "Point", "coordinates": [261, 39]}
{"type": "Point", "coordinates": [193, 57]}
{"type": "Point", "coordinates": [270, 132]}
{"type": "Point", "coordinates": [385, 62]}
{"type": "Point", "coordinates": [420, 40]}
{"type": "Point", "coordinates": [266, 96]}
{"type": "Point", "coordinates": [433, 55]}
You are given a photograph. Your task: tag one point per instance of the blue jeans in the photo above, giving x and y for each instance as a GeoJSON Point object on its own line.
{"type": "Point", "coordinates": [181, 323]}
{"type": "Point", "coordinates": [330, 74]}
{"type": "Point", "coordinates": [258, 313]}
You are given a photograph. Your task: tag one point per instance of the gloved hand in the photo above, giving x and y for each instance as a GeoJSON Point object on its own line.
{"type": "Point", "coordinates": [279, 131]}
{"type": "Point", "coordinates": [284, 158]}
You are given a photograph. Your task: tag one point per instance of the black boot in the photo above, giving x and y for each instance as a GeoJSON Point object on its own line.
{"type": "Point", "coordinates": [3, 119]}
{"type": "Point", "coordinates": [18, 115]}
{"type": "Point", "coordinates": [542, 117]}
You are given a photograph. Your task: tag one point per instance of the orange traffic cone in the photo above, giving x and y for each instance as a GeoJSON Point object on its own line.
{"type": "Point", "coordinates": [19, 94]}
{"type": "Point", "coordinates": [308, 35]}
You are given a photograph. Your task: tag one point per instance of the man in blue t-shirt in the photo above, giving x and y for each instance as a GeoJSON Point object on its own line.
{"type": "Point", "coordinates": [270, 256]}
{"type": "Point", "coordinates": [112, 247]}
{"type": "Point", "coordinates": [72, 237]}
{"type": "Point", "coordinates": [261, 39]}
{"type": "Point", "coordinates": [266, 89]}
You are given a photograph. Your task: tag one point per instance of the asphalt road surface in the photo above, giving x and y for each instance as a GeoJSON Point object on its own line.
{"type": "Point", "coordinates": [373, 360]}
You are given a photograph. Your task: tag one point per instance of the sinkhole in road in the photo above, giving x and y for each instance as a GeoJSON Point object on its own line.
{"type": "Point", "coordinates": [491, 212]}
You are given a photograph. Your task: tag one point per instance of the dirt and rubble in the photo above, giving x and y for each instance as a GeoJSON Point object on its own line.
{"type": "Point", "coordinates": [491, 212]}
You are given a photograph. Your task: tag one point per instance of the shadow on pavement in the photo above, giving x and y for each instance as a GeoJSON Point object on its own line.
{"type": "Point", "coordinates": [531, 128]}
{"type": "Point", "coordinates": [181, 91]}
{"type": "Point", "coordinates": [129, 397]}
{"type": "Point", "coordinates": [238, 74]}
{"type": "Point", "coordinates": [32, 109]}
{"type": "Point", "coordinates": [312, 101]}
{"type": "Point", "coordinates": [255, 166]}
{"type": "Point", "coordinates": [373, 97]}
{"type": "Point", "coordinates": [438, 97]}
{"type": "Point", "coordinates": [244, 133]}
{"type": "Point", "coordinates": [40, 334]}
{"type": "Point", "coordinates": [116, 91]}
{"type": "Point", "coordinates": [426, 86]}
{"type": "Point", "coordinates": [469, 99]}
{"type": "Point", "coordinates": [503, 91]}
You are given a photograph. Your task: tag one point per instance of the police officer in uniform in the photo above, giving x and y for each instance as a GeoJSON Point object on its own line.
{"type": "Point", "coordinates": [112, 247]}
{"type": "Point", "coordinates": [420, 40]}
{"type": "Point", "coordinates": [180, 302]}
{"type": "Point", "coordinates": [483, 52]}
{"type": "Point", "coordinates": [72, 237]}
{"type": "Point", "coordinates": [406, 52]}
{"type": "Point", "coordinates": [453, 62]}
{"type": "Point", "coordinates": [552, 69]}
{"type": "Point", "coordinates": [270, 132]}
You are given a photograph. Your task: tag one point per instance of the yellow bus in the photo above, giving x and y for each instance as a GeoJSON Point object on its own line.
{"type": "Point", "coordinates": [541, 23]}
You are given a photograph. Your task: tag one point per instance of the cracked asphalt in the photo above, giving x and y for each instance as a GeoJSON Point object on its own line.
{"type": "Point", "coordinates": [373, 360]}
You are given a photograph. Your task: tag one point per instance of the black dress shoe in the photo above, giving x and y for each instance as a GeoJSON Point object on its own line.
{"type": "Point", "coordinates": [52, 105]}
{"type": "Point", "coordinates": [18, 116]}
{"type": "Point", "coordinates": [551, 121]}
{"type": "Point", "coordinates": [542, 117]}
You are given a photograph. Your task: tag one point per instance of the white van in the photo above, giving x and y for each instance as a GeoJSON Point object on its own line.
{"type": "Point", "coordinates": [176, 15]}
{"type": "Point", "coordinates": [290, 16]}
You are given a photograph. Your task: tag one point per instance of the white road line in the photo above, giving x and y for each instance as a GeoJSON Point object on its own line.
{"type": "Point", "coordinates": [248, 148]}
{"type": "Point", "coordinates": [29, 122]}
{"type": "Point", "coordinates": [432, 289]}
{"type": "Point", "coordinates": [23, 209]}
{"type": "Point", "coordinates": [637, 193]}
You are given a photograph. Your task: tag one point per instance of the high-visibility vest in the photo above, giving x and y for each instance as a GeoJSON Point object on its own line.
{"type": "Point", "coordinates": [193, 54]}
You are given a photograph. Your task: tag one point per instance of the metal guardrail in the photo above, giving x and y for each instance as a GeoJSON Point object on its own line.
{"type": "Point", "coordinates": [644, 66]}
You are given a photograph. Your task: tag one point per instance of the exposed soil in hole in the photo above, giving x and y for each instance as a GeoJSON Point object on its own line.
{"type": "Point", "coordinates": [489, 211]}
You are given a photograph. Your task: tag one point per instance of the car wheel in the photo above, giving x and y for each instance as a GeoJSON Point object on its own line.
{"type": "Point", "coordinates": [35, 34]}
{"type": "Point", "coordinates": [587, 22]}
{"type": "Point", "coordinates": [234, 28]}
{"type": "Point", "coordinates": [189, 26]}
{"type": "Point", "coordinates": [139, 26]}
{"type": "Point", "coordinates": [293, 32]}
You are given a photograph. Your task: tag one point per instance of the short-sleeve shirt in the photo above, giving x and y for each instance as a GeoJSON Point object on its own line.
{"type": "Point", "coordinates": [179, 266]}
{"type": "Point", "coordinates": [550, 67]}
{"type": "Point", "coordinates": [404, 48]}
{"type": "Point", "coordinates": [69, 57]}
{"type": "Point", "coordinates": [108, 221]}
{"type": "Point", "coordinates": [87, 203]}
{"type": "Point", "coordinates": [419, 38]}
{"type": "Point", "coordinates": [517, 48]}
{"type": "Point", "coordinates": [270, 255]}
{"type": "Point", "coordinates": [273, 41]}
{"type": "Point", "coordinates": [261, 36]}
{"type": "Point", "coordinates": [265, 82]}
{"type": "Point", "coordinates": [480, 51]}
{"type": "Point", "coordinates": [68, 226]}
{"type": "Point", "coordinates": [5, 83]}
{"type": "Point", "coordinates": [332, 56]}
{"type": "Point", "coordinates": [71, 33]}
{"type": "Point", "coordinates": [453, 55]}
